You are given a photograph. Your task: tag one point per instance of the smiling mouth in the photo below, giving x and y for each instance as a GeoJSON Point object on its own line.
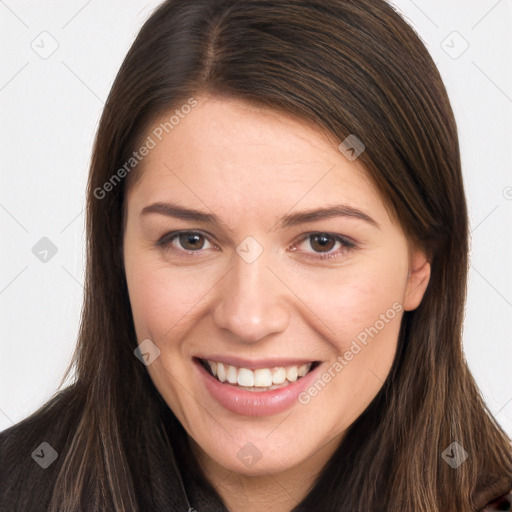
{"type": "Point", "coordinates": [260, 379]}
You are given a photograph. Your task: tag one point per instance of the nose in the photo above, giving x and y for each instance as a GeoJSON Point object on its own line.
{"type": "Point", "coordinates": [252, 304]}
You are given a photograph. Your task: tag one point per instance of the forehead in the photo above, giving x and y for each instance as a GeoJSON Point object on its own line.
{"type": "Point", "coordinates": [232, 156]}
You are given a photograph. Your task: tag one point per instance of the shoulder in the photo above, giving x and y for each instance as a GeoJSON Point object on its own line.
{"type": "Point", "coordinates": [31, 453]}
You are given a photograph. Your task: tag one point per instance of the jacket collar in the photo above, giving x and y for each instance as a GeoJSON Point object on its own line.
{"type": "Point", "coordinates": [490, 489]}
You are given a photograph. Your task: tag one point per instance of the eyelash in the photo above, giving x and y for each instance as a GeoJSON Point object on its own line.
{"type": "Point", "coordinates": [346, 245]}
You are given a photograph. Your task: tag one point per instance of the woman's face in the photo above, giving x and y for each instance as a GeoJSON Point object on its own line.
{"type": "Point", "coordinates": [262, 284]}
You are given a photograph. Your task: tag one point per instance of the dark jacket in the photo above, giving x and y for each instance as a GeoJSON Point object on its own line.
{"type": "Point", "coordinates": [183, 487]}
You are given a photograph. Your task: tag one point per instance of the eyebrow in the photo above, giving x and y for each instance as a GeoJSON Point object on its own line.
{"type": "Point", "coordinates": [288, 220]}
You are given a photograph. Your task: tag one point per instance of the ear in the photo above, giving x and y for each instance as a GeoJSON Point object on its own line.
{"type": "Point", "coordinates": [417, 279]}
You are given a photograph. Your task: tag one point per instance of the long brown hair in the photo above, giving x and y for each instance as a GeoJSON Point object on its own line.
{"type": "Point", "coordinates": [349, 67]}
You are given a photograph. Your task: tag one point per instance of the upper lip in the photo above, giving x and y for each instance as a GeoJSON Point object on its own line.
{"type": "Point", "coordinates": [254, 364]}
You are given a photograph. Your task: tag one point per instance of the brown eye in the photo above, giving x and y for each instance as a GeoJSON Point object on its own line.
{"type": "Point", "coordinates": [191, 241]}
{"type": "Point", "coordinates": [322, 242]}
{"type": "Point", "coordinates": [326, 246]}
{"type": "Point", "coordinates": [185, 241]}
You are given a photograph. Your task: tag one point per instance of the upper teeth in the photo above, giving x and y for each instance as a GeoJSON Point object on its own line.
{"type": "Point", "coordinates": [260, 378]}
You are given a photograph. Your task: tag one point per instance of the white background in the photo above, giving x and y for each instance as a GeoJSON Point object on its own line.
{"type": "Point", "coordinates": [50, 109]}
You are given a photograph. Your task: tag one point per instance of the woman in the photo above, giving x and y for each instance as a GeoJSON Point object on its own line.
{"type": "Point", "coordinates": [276, 277]}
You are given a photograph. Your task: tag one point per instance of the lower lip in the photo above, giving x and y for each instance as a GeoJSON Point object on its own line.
{"type": "Point", "coordinates": [254, 403]}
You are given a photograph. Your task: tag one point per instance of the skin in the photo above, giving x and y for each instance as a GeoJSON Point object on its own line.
{"type": "Point", "coordinates": [250, 167]}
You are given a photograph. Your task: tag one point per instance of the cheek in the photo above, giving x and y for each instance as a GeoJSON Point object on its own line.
{"type": "Point", "coordinates": [367, 309]}
{"type": "Point", "coordinates": [162, 298]}
{"type": "Point", "coordinates": [361, 322]}
{"type": "Point", "coordinates": [361, 300]}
